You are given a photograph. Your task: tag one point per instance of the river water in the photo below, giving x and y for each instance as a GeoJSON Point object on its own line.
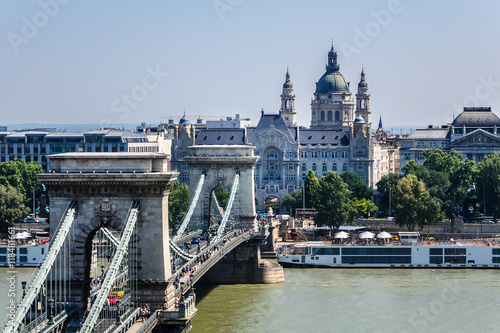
{"type": "Point", "coordinates": [346, 300]}
{"type": "Point", "coordinates": [356, 300]}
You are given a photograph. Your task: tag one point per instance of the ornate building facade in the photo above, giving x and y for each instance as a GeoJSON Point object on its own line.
{"type": "Point", "coordinates": [474, 133]}
{"type": "Point", "coordinates": [340, 138]}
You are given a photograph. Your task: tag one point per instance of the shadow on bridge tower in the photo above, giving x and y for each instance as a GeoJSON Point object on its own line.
{"type": "Point", "coordinates": [104, 186]}
{"type": "Point", "coordinates": [220, 164]}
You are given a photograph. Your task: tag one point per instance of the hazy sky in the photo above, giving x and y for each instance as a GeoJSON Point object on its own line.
{"type": "Point", "coordinates": [133, 61]}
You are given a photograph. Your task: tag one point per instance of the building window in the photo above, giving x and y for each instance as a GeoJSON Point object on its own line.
{"type": "Point", "coordinates": [314, 167]}
{"type": "Point", "coordinates": [344, 167]}
{"type": "Point", "coordinates": [322, 115]}
{"type": "Point", "coordinates": [337, 116]}
{"type": "Point", "coordinates": [334, 167]}
{"type": "Point", "coordinates": [272, 155]}
{"type": "Point", "coordinates": [323, 168]}
{"type": "Point", "coordinates": [304, 168]}
{"type": "Point", "coordinates": [359, 154]}
{"type": "Point", "coordinates": [345, 154]}
{"type": "Point", "coordinates": [360, 166]}
{"type": "Point", "coordinates": [291, 154]}
{"type": "Point", "coordinates": [324, 154]}
{"type": "Point", "coordinates": [290, 166]}
{"type": "Point", "coordinates": [303, 154]}
{"type": "Point", "coordinates": [290, 188]}
{"type": "Point", "coordinates": [420, 156]}
{"type": "Point", "coordinates": [407, 156]}
{"type": "Point", "coordinates": [314, 154]}
{"type": "Point", "coordinates": [334, 154]}
{"type": "Point", "coordinates": [330, 117]}
{"type": "Point", "coordinates": [290, 176]}
{"type": "Point", "coordinates": [304, 177]}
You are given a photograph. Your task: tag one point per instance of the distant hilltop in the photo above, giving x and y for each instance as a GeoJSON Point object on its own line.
{"type": "Point", "coordinates": [80, 128]}
{"type": "Point", "coordinates": [70, 128]}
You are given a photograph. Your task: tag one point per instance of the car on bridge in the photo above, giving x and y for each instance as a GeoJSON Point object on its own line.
{"type": "Point", "coordinates": [117, 291]}
{"type": "Point", "coordinates": [113, 299]}
{"type": "Point", "coordinates": [195, 240]}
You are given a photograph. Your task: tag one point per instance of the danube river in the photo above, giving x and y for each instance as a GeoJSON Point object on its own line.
{"type": "Point", "coordinates": [346, 300]}
{"type": "Point", "coordinates": [356, 300]}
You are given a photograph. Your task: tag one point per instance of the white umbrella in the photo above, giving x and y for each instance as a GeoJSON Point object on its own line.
{"type": "Point", "coordinates": [341, 235]}
{"type": "Point", "coordinates": [384, 235]}
{"type": "Point", "coordinates": [366, 235]}
{"type": "Point", "coordinates": [22, 235]}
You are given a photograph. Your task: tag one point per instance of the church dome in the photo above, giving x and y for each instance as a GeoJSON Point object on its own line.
{"type": "Point", "coordinates": [359, 120]}
{"type": "Point", "coordinates": [331, 82]}
{"type": "Point", "coordinates": [362, 84]}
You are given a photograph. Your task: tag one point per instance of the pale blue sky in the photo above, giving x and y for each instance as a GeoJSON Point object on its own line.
{"type": "Point", "coordinates": [229, 56]}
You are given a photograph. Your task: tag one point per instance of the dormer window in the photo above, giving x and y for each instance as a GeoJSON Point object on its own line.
{"type": "Point", "coordinates": [310, 137]}
{"type": "Point", "coordinates": [205, 137]}
{"type": "Point", "coordinates": [232, 137]}
{"type": "Point", "coordinates": [218, 138]}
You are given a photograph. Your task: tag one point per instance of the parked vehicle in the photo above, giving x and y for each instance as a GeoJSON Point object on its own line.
{"type": "Point", "coordinates": [31, 220]}
{"type": "Point", "coordinates": [112, 299]}
{"type": "Point", "coordinates": [195, 240]}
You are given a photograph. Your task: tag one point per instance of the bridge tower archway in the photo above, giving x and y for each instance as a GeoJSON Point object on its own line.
{"type": "Point", "coordinates": [220, 164]}
{"type": "Point", "coordinates": [104, 187]}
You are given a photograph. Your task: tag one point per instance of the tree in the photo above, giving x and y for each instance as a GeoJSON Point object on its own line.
{"type": "Point", "coordinates": [292, 200]}
{"type": "Point", "coordinates": [413, 204]}
{"type": "Point", "coordinates": [23, 177]}
{"type": "Point", "coordinates": [438, 160]}
{"type": "Point", "coordinates": [222, 194]}
{"type": "Point", "coordinates": [357, 185]}
{"type": "Point", "coordinates": [461, 180]}
{"type": "Point", "coordinates": [488, 183]}
{"type": "Point", "coordinates": [310, 184]}
{"type": "Point", "coordinates": [11, 207]}
{"type": "Point", "coordinates": [364, 207]}
{"type": "Point", "coordinates": [385, 186]}
{"type": "Point", "coordinates": [178, 203]}
{"type": "Point", "coordinates": [332, 201]}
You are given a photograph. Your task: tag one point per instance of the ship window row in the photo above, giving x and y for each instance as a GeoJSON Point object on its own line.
{"type": "Point", "coordinates": [496, 260]}
{"type": "Point", "coordinates": [19, 250]}
{"type": "Point", "coordinates": [454, 251]}
{"type": "Point", "coordinates": [394, 251]}
{"type": "Point", "coordinates": [21, 259]}
{"type": "Point", "coordinates": [436, 259]}
{"type": "Point", "coordinates": [496, 251]}
{"type": "Point", "coordinates": [326, 251]}
{"type": "Point", "coordinates": [455, 259]}
{"type": "Point", "coordinates": [376, 259]}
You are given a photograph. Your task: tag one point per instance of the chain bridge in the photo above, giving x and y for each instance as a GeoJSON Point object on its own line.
{"type": "Point", "coordinates": [112, 265]}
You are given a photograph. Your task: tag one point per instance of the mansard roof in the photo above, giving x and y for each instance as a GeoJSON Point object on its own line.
{"type": "Point", "coordinates": [477, 117]}
{"type": "Point", "coordinates": [265, 123]}
{"type": "Point", "coordinates": [221, 136]}
{"type": "Point", "coordinates": [315, 137]}
{"type": "Point", "coordinates": [430, 133]}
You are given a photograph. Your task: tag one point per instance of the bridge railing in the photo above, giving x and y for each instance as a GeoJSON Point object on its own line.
{"type": "Point", "coordinates": [222, 246]}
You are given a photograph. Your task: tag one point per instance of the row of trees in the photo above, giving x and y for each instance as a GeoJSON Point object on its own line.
{"type": "Point", "coordinates": [422, 195]}
{"type": "Point", "coordinates": [338, 199]}
{"type": "Point", "coordinates": [18, 182]}
{"type": "Point", "coordinates": [426, 192]}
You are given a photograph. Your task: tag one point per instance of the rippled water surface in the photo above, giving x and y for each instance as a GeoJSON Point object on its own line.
{"type": "Point", "coordinates": [356, 300]}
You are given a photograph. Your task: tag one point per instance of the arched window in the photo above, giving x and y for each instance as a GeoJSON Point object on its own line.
{"type": "Point", "coordinates": [304, 168]}
{"type": "Point", "coordinates": [337, 116]}
{"type": "Point", "coordinates": [334, 168]}
{"type": "Point", "coordinates": [322, 115]}
{"type": "Point", "coordinates": [344, 167]}
{"type": "Point", "coordinates": [314, 167]}
{"type": "Point", "coordinates": [330, 116]}
{"type": "Point", "coordinates": [324, 167]}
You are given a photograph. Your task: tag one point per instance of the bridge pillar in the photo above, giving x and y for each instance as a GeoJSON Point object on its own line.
{"type": "Point", "coordinates": [104, 185]}
{"type": "Point", "coordinates": [220, 163]}
{"type": "Point", "coordinates": [244, 265]}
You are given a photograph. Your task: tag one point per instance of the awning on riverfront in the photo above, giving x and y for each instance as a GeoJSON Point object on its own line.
{"type": "Point", "coordinates": [384, 235]}
{"type": "Point", "coordinates": [341, 235]}
{"type": "Point", "coordinates": [367, 235]}
{"type": "Point", "coordinates": [349, 228]}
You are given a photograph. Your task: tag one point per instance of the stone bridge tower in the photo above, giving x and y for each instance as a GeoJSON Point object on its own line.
{"type": "Point", "coordinates": [220, 164]}
{"type": "Point", "coordinates": [104, 185]}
